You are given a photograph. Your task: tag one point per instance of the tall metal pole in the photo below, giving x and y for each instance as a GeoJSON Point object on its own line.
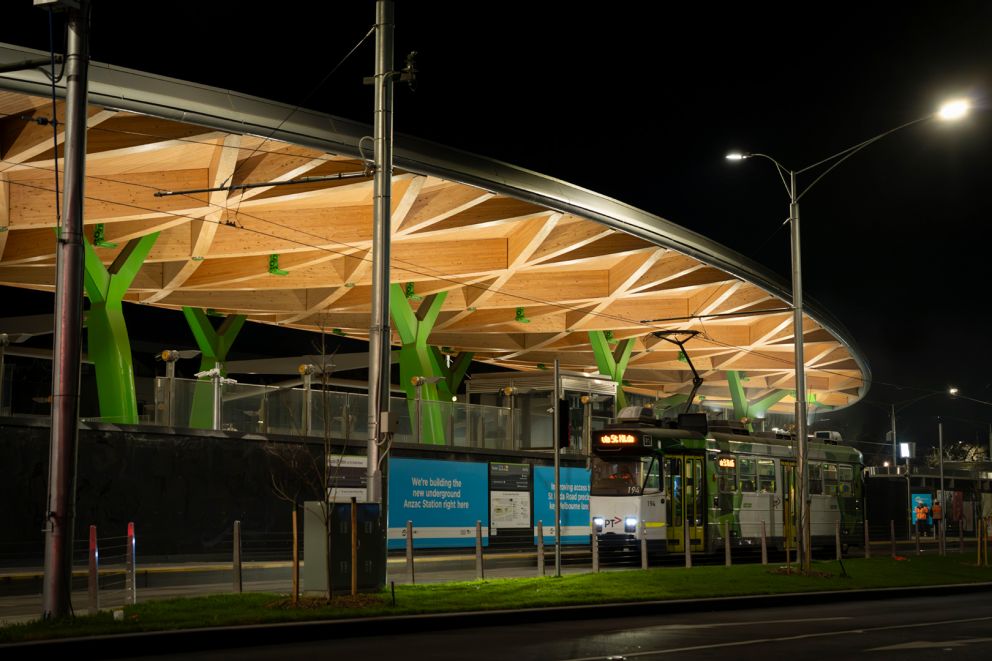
{"type": "Point", "coordinates": [797, 326]}
{"type": "Point", "coordinates": [4, 341]}
{"type": "Point", "coordinates": [56, 597]}
{"type": "Point", "coordinates": [379, 332]}
{"type": "Point", "coordinates": [895, 454]}
{"type": "Point", "coordinates": [557, 433]}
{"type": "Point", "coordinates": [170, 377]}
{"type": "Point", "coordinates": [940, 455]}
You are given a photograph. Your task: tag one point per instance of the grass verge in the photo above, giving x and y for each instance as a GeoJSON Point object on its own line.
{"type": "Point", "coordinates": [607, 587]}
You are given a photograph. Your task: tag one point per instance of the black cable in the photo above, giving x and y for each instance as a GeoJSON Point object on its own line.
{"type": "Point", "coordinates": [55, 123]}
{"type": "Point", "coordinates": [412, 268]}
{"type": "Point", "coordinates": [437, 276]}
{"type": "Point", "coordinates": [297, 107]}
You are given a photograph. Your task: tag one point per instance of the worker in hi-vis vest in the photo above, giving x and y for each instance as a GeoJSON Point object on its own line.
{"type": "Point", "coordinates": [922, 514]}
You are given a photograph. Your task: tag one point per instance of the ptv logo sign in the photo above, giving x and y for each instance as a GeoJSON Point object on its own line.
{"type": "Point", "coordinates": [609, 523]}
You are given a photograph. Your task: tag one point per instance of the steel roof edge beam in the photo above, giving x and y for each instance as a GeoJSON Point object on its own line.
{"type": "Point", "coordinates": [169, 98]}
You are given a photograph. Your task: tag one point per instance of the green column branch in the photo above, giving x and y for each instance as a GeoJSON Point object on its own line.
{"type": "Point", "coordinates": [107, 339]}
{"type": "Point", "coordinates": [759, 407]}
{"type": "Point", "coordinates": [454, 375]}
{"type": "Point", "coordinates": [417, 359]}
{"type": "Point", "coordinates": [664, 403]}
{"type": "Point", "coordinates": [214, 345]}
{"type": "Point", "coordinates": [612, 363]}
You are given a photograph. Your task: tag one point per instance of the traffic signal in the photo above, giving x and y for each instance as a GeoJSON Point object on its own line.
{"type": "Point", "coordinates": [564, 424]}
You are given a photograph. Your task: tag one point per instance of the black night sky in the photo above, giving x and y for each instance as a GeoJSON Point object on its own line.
{"type": "Point", "coordinates": [641, 101]}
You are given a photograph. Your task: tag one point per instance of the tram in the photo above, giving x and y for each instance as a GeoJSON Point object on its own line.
{"type": "Point", "coordinates": [676, 483]}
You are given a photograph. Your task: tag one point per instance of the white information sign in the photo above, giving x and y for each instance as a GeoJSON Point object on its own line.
{"type": "Point", "coordinates": [509, 509]}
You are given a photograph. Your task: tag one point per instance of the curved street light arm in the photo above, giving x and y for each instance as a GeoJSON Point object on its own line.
{"type": "Point", "coordinates": [781, 169]}
{"type": "Point", "coordinates": [845, 154]}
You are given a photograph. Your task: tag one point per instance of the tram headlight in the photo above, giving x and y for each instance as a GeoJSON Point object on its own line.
{"type": "Point", "coordinates": [630, 524]}
{"type": "Point", "coordinates": [599, 522]}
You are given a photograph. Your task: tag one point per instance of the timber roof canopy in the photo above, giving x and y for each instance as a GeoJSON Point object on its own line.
{"type": "Point", "coordinates": [494, 236]}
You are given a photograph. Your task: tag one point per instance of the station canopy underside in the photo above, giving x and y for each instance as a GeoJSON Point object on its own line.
{"type": "Point", "coordinates": [525, 282]}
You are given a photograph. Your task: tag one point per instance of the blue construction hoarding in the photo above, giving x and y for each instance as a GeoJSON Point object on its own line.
{"type": "Point", "coordinates": [443, 499]}
{"type": "Point", "coordinates": [574, 504]}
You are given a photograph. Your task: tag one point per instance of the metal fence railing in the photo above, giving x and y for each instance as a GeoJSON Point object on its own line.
{"type": "Point", "coordinates": [108, 574]}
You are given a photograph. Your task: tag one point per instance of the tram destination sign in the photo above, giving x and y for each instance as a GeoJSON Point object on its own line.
{"type": "Point", "coordinates": [618, 440]}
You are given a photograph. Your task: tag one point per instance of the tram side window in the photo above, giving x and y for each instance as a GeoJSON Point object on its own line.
{"type": "Point", "coordinates": [846, 476]}
{"type": "Point", "coordinates": [652, 474]}
{"type": "Point", "coordinates": [747, 469]}
{"type": "Point", "coordinates": [728, 477]}
{"type": "Point", "coordinates": [830, 479]}
{"type": "Point", "coordinates": [815, 479]}
{"type": "Point", "coordinates": [766, 476]}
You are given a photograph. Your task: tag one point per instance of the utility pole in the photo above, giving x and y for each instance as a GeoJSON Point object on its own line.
{"type": "Point", "coordinates": [556, 432]}
{"type": "Point", "coordinates": [69, 259]}
{"type": "Point", "coordinates": [379, 332]}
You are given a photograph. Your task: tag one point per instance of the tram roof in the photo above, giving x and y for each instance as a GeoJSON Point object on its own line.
{"type": "Point", "coordinates": [494, 236]}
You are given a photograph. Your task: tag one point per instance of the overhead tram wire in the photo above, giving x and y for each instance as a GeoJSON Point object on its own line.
{"type": "Point", "coordinates": [437, 276]}
{"type": "Point", "coordinates": [412, 268]}
{"type": "Point", "coordinates": [408, 269]}
{"type": "Point", "coordinates": [204, 143]}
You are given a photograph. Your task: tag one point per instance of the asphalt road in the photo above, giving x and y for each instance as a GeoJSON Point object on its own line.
{"type": "Point", "coordinates": [957, 626]}
{"type": "Point", "coordinates": [20, 592]}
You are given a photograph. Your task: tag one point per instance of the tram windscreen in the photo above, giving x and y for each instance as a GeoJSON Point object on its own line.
{"type": "Point", "coordinates": [625, 477]}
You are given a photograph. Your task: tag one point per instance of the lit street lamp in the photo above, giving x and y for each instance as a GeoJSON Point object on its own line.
{"type": "Point", "coordinates": [902, 405]}
{"type": "Point", "coordinates": [949, 111]}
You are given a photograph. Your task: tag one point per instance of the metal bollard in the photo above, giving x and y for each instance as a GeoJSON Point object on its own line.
{"type": "Point", "coordinates": [94, 574]}
{"type": "Point", "coordinates": [409, 552]}
{"type": "Point", "coordinates": [788, 546]}
{"type": "Point", "coordinates": [961, 535]}
{"type": "Point", "coordinates": [236, 559]}
{"type": "Point", "coordinates": [764, 545]}
{"type": "Point", "coordinates": [130, 584]}
{"type": "Point", "coordinates": [644, 545]}
{"type": "Point", "coordinates": [837, 538]}
{"type": "Point", "coordinates": [480, 570]}
{"type": "Point", "coordinates": [892, 536]}
{"type": "Point", "coordinates": [978, 541]}
{"type": "Point", "coordinates": [984, 543]}
{"type": "Point", "coordinates": [296, 559]}
{"type": "Point", "coordinates": [685, 540]}
{"type": "Point", "coordinates": [726, 544]}
{"type": "Point", "coordinates": [867, 542]}
{"type": "Point", "coordinates": [540, 548]}
{"type": "Point", "coordinates": [918, 552]}
{"type": "Point", "coordinates": [354, 547]}
{"type": "Point", "coordinates": [594, 542]}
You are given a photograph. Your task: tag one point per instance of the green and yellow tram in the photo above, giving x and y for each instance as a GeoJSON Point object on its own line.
{"type": "Point", "coordinates": [676, 484]}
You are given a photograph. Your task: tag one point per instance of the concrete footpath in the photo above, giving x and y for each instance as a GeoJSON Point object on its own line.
{"type": "Point", "coordinates": [217, 638]}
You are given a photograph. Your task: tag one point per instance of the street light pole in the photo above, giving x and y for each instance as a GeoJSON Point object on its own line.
{"type": "Point", "coordinates": [895, 454]}
{"type": "Point", "coordinates": [951, 110]}
{"type": "Point", "coordinates": [797, 330]}
{"type": "Point", "coordinates": [940, 499]}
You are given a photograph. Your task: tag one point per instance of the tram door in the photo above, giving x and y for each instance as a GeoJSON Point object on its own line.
{"type": "Point", "coordinates": [790, 496]}
{"type": "Point", "coordinates": [685, 486]}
